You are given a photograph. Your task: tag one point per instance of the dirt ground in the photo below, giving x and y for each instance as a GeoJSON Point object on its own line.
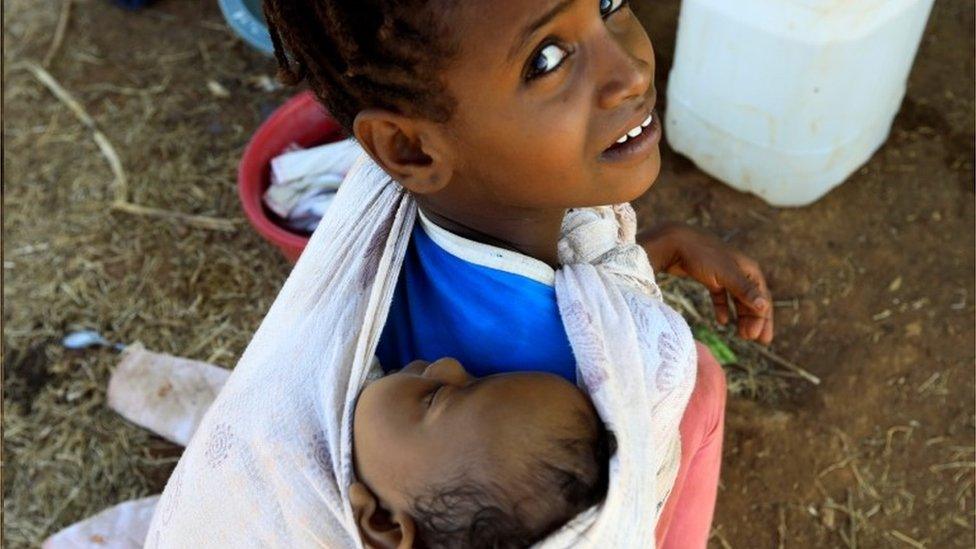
{"type": "Point", "coordinates": [874, 283]}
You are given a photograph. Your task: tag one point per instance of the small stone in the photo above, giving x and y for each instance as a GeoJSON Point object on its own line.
{"type": "Point", "coordinates": [882, 315]}
{"type": "Point", "coordinates": [827, 518]}
{"type": "Point", "coordinates": [217, 89]}
{"type": "Point", "coordinates": [264, 82]}
{"type": "Point", "coordinates": [895, 284]}
{"type": "Point", "coordinates": [914, 329]}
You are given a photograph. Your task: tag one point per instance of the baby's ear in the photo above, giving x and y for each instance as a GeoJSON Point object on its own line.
{"type": "Point", "coordinates": [409, 149]}
{"type": "Point", "coordinates": [377, 527]}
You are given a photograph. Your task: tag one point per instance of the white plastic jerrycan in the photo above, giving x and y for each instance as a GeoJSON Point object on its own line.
{"type": "Point", "coordinates": [786, 98]}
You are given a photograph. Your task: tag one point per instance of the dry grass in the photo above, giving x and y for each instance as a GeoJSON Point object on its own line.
{"type": "Point", "coordinates": [72, 262]}
{"type": "Point", "coordinates": [876, 494]}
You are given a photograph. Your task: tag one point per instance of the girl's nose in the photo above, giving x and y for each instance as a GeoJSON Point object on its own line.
{"type": "Point", "coordinates": [623, 76]}
{"type": "Point", "coordinates": [448, 371]}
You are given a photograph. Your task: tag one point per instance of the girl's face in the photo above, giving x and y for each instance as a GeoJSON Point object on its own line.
{"type": "Point", "coordinates": [544, 91]}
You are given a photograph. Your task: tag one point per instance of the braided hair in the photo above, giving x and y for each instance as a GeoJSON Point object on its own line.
{"type": "Point", "coordinates": [358, 54]}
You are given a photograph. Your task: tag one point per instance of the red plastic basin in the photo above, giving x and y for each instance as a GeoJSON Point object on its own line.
{"type": "Point", "coordinates": [302, 120]}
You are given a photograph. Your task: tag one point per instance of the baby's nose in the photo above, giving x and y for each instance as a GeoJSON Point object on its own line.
{"type": "Point", "coordinates": [448, 370]}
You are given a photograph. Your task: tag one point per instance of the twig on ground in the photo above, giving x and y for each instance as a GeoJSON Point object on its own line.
{"type": "Point", "coordinates": [791, 303]}
{"type": "Point", "coordinates": [115, 164]}
{"type": "Point", "coordinates": [62, 94]}
{"type": "Point", "coordinates": [864, 484]}
{"type": "Point", "coordinates": [104, 145]}
{"type": "Point", "coordinates": [952, 465]}
{"type": "Point", "coordinates": [200, 221]}
{"type": "Point", "coordinates": [928, 382]}
{"type": "Point", "coordinates": [62, 507]}
{"type": "Point", "coordinates": [839, 465]}
{"type": "Point", "coordinates": [717, 534]}
{"type": "Point", "coordinates": [687, 306]}
{"type": "Point", "coordinates": [781, 530]}
{"type": "Point", "coordinates": [963, 491]}
{"type": "Point", "coordinates": [58, 33]}
{"type": "Point", "coordinates": [108, 151]}
{"type": "Point", "coordinates": [787, 364]}
{"type": "Point", "coordinates": [127, 90]}
{"type": "Point", "coordinates": [905, 539]}
{"type": "Point", "coordinates": [852, 516]}
{"type": "Point", "coordinates": [890, 436]}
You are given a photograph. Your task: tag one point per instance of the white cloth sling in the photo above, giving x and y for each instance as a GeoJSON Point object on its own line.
{"type": "Point", "coordinates": [271, 461]}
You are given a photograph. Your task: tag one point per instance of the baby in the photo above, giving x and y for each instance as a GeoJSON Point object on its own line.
{"type": "Point", "coordinates": [448, 460]}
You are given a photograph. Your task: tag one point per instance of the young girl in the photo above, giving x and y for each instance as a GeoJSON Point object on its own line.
{"type": "Point", "coordinates": [498, 117]}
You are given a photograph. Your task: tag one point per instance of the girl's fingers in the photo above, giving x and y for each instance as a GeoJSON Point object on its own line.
{"type": "Point", "coordinates": [767, 333]}
{"type": "Point", "coordinates": [759, 295]}
{"type": "Point", "coordinates": [749, 327]}
{"type": "Point", "coordinates": [754, 327]}
{"type": "Point", "coordinates": [749, 292]}
{"type": "Point", "coordinates": [720, 301]}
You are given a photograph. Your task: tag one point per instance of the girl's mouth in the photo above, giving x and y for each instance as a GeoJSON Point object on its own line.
{"type": "Point", "coordinates": [636, 142]}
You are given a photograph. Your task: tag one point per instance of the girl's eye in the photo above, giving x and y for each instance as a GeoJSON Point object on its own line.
{"type": "Point", "coordinates": [547, 60]}
{"type": "Point", "coordinates": [607, 7]}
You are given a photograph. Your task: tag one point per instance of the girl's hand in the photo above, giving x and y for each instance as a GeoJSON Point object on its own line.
{"type": "Point", "coordinates": [677, 249]}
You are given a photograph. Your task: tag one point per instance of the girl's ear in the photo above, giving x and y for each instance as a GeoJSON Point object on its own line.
{"type": "Point", "coordinates": [408, 149]}
{"type": "Point", "coordinates": [377, 527]}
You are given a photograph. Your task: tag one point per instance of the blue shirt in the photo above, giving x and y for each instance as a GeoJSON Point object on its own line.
{"type": "Point", "coordinates": [494, 310]}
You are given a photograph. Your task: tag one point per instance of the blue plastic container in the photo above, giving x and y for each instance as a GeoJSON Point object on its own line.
{"type": "Point", "coordinates": [247, 20]}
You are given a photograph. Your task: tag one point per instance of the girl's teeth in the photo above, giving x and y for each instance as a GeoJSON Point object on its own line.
{"type": "Point", "coordinates": [636, 131]}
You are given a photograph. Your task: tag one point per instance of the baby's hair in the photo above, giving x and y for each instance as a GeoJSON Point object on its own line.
{"type": "Point", "coordinates": [358, 54]}
{"type": "Point", "coordinates": [468, 514]}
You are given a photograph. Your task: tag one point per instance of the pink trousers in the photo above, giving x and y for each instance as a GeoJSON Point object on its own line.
{"type": "Point", "coordinates": [686, 519]}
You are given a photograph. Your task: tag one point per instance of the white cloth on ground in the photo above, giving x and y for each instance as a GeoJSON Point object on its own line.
{"type": "Point", "coordinates": [271, 462]}
{"type": "Point", "coordinates": [166, 394]}
{"type": "Point", "coordinates": [122, 526]}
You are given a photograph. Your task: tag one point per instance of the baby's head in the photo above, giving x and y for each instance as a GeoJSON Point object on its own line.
{"type": "Point", "coordinates": [484, 107]}
{"type": "Point", "coordinates": [446, 460]}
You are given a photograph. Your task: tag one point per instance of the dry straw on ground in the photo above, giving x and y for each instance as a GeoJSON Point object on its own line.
{"type": "Point", "coordinates": [71, 262]}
